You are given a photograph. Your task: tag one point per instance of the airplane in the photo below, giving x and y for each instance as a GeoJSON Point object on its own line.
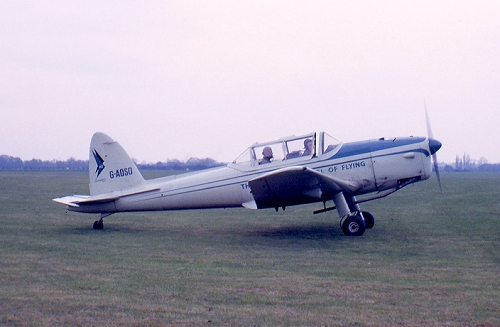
{"type": "Point", "coordinates": [294, 170]}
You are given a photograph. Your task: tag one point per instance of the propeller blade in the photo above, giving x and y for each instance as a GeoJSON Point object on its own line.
{"type": "Point", "coordinates": [429, 129]}
{"type": "Point", "coordinates": [434, 146]}
{"type": "Point", "coordinates": [436, 169]}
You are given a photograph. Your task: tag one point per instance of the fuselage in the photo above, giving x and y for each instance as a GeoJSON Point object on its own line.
{"type": "Point", "coordinates": [378, 164]}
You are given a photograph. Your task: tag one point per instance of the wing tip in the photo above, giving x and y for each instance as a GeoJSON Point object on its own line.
{"type": "Point", "coordinates": [250, 205]}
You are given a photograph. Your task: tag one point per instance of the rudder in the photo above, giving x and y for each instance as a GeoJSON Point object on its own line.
{"type": "Point", "coordinates": [110, 167]}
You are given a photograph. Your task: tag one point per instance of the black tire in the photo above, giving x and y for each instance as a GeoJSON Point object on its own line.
{"type": "Point", "coordinates": [342, 222]}
{"type": "Point", "coordinates": [98, 224]}
{"type": "Point", "coordinates": [354, 226]}
{"type": "Point", "coordinates": [369, 219]}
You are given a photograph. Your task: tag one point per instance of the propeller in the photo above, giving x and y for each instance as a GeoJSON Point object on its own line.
{"type": "Point", "coordinates": [434, 146]}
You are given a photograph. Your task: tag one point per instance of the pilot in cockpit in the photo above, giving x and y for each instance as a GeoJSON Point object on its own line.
{"type": "Point", "coordinates": [267, 155]}
{"type": "Point", "coordinates": [308, 148]}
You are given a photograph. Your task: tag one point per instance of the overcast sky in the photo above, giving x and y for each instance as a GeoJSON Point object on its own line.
{"type": "Point", "coordinates": [208, 78]}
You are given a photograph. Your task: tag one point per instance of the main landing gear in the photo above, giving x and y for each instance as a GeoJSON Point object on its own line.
{"type": "Point", "coordinates": [354, 222]}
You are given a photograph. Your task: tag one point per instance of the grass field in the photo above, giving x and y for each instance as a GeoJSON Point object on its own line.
{"type": "Point", "coordinates": [432, 260]}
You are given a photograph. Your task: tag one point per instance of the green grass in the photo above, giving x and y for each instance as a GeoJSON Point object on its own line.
{"type": "Point", "coordinates": [432, 260]}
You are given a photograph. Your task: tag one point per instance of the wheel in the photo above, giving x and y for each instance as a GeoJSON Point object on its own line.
{"type": "Point", "coordinates": [353, 226]}
{"type": "Point", "coordinates": [98, 224]}
{"type": "Point", "coordinates": [369, 220]}
{"type": "Point", "coordinates": [342, 221]}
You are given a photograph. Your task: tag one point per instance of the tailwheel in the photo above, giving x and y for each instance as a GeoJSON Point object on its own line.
{"type": "Point", "coordinates": [98, 224]}
{"type": "Point", "coordinates": [369, 220]}
{"type": "Point", "coordinates": [353, 225]}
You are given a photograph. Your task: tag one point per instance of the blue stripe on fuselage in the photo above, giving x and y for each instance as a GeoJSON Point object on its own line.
{"type": "Point", "coordinates": [365, 147]}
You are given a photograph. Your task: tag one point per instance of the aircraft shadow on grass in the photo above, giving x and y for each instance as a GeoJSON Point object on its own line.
{"type": "Point", "coordinates": [316, 232]}
{"type": "Point", "coordinates": [304, 232]}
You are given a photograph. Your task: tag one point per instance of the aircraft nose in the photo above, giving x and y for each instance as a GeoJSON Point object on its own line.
{"type": "Point", "coordinates": [434, 145]}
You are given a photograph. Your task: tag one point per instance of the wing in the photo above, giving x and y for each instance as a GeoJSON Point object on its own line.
{"type": "Point", "coordinates": [296, 185]}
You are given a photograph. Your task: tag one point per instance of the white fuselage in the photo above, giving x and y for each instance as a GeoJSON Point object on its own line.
{"type": "Point", "coordinates": [377, 164]}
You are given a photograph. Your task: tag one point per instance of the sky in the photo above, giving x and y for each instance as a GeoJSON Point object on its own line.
{"type": "Point", "coordinates": [181, 79]}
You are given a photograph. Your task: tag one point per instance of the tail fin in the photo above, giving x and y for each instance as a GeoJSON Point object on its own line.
{"type": "Point", "coordinates": [110, 167]}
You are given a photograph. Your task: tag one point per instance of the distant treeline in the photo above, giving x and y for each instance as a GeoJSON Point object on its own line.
{"type": "Point", "coordinates": [466, 163]}
{"type": "Point", "coordinates": [462, 164]}
{"type": "Point", "coordinates": [14, 163]}
{"type": "Point", "coordinates": [475, 168]}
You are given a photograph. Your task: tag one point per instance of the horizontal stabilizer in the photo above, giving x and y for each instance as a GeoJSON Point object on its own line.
{"type": "Point", "coordinates": [76, 200]}
{"type": "Point", "coordinates": [71, 200]}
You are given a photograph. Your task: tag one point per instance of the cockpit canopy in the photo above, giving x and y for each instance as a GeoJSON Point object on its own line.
{"type": "Point", "coordinates": [296, 148]}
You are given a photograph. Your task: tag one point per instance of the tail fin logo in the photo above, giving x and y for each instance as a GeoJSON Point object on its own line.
{"type": "Point", "coordinates": [99, 161]}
